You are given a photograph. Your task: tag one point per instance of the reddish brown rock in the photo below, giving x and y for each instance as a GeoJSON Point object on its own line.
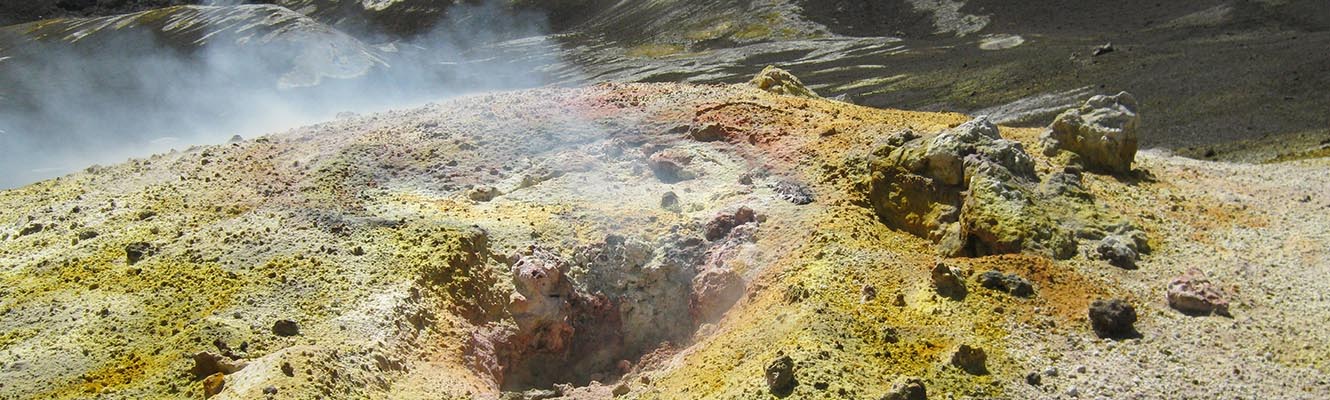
{"type": "Point", "coordinates": [722, 224]}
{"type": "Point", "coordinates": [213, 384]}
{"type": "Point", "coordinates": [714, 291]}
{"type": "Point", "coordinates": [1193, 294]}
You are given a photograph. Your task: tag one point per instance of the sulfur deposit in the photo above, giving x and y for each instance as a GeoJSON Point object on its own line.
{"type": "Point", "coordinates": [660, 241]}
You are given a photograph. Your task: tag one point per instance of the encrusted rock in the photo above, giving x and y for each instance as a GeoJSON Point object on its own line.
{"type": "Point", "coordinates": [970, 359]}
{"type": "Point", "coordinates": [793, 192]}
{"type": "Point", "coordinates": [1113, 318]}
{"type": "Point", "coordinates": [1102, 133]}
{"type": "Point", "coordinates": [906, 388]}
{"type": "Point", "coordinates": [779, 81]}
{"type": "Point", "coordinates": [714, 292]}
{"type": "Point", "coordinates": [1118, 251]}
{"type": "Point", "coordinates": [947, 281]}
{"type": "Point", "coordinates": [540, 306]}
{"type": "Point", "coordinates": [1192, 293]}
{"type": "Point", "coordinates": [780, 375]}
{"type": "Point", "coordinates": [967, 189]}
{"type": "Point", "coordinates": [670, 201]}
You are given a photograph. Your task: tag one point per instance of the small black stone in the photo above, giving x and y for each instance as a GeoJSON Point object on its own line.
{"type": "Point", "coordinates": [1034, 379]}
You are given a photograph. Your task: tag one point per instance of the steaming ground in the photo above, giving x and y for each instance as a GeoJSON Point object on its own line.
{"type": "Point", "coordinates": [606, 238]}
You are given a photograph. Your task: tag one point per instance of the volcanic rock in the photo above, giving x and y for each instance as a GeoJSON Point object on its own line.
{"type": "Point", "coordinates": [213, 385]}
{"type": "Point", "coordinates": [947, 281]}
{"type": "Point", "coordinates": [208, 363]}
{"type": "Point", "coordinates": [670, 201]}
{"type": "Point", "coordinates": [779, 81]}
{"type": "Point", "coordinates": [721, 225]}
{"type": "Point", "coordinates": [906, 388]}
{"type": "Point", "coordinates": [1118, 251]}
{"type": "Point", "coordinates": [793, 192]}
{"type": "Point", "coordinates": [671, 166]}
{"type": "Point", "coordinates": [967, 189]}
{"type": "Point", "coordinates": [1112, 318]}
{"type": "Point", "coordinates": [970, 359]}
{"type": "Point", "coordinates": [714, 291]}
{"type": "Point", "coordinates": [1102, 132]}
{"type": "Point", "coordinates": [285, 327]}
{"type": "Point", "coordinates": [134, 252]}
{"type": "Point", "coordinates": [1192, 293]}
{"type": "Point", "coordinates": [540, 306]}
{"type": "Point", "coordinates": [780, 375]}
{"type": "Point", "coordinates": [483, 193]}
{"type": "Point", "coordinates": [1010, 283]}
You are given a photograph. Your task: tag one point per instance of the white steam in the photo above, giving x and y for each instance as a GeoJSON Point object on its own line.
{"type": "Point", "coordinates": [122, 93]}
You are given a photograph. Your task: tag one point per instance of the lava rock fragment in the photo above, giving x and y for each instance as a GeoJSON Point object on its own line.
{"type": "Point", "coordinates": [1113, 318]}
{"type": "Point", "coordinates": [780, 375]}
{"type": "Point", "coordinates": [1118, 251]}
{"type": "Point", "coordinates": [793, 192]}
{"type": "Point", "coordinates": [135, 252]}
{"type": "Point", "coordinates": [947, 281]}
{"type": "Point", "coordinates": [907, 388]}
{"type": "Point", "coordinates": [970, 359]}
{"type": "Point", "coordinates": [1193, 294]}
{"type": "Point", "coordinates": [1010, 283]}
{"type": "Point", "coordinates": [285, 327]}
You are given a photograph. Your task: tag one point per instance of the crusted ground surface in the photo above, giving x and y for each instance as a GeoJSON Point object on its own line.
{"type": "Point", "coordinates": [644, 240]}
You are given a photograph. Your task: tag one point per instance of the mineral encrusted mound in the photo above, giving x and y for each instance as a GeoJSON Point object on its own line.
{"type": "Point", "coordinates": [1101, 132]}
{"type": "Point", "coordinates": [967, 189]}
{"type": "Point", "coordinates": [780, 81]}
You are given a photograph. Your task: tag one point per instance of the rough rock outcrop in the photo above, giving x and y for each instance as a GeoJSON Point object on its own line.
{"type": "Point", "coordinates": [1102, 133]}
{"type": "Point", "coordinates": [1192, 293]}
{"type": "Point", "coordinates": [967, 189]}
{"type": "Point", "coordinates": [779, 81]}
{"type": "Point", "coordinates": [540, 306]}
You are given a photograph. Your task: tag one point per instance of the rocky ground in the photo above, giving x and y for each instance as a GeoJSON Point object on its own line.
{"type": "Point", "coordinates": [666, 241]}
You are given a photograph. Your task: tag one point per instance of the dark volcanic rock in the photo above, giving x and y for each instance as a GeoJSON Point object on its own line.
{"type": "Point", "coordinates": [134, 252]}
{"type": "Point", "coordinates": [1113, 318]}
{"type": "Point", "coordinates": [780, 375]}
{"type": "Point", "coordinates": [1010, 283]}
{"type": "Point", "coordinates": [970, 359]}
{"type": "Point", "coordinates": [947, 282]}
{"type": "Point", "coordinates": [1118, 251]}
{"type": "Point", "coordinates": [285, 327]}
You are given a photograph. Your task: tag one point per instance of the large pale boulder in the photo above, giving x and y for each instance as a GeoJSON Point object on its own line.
{"type": "Point", "coordinates": [1102, 133]}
